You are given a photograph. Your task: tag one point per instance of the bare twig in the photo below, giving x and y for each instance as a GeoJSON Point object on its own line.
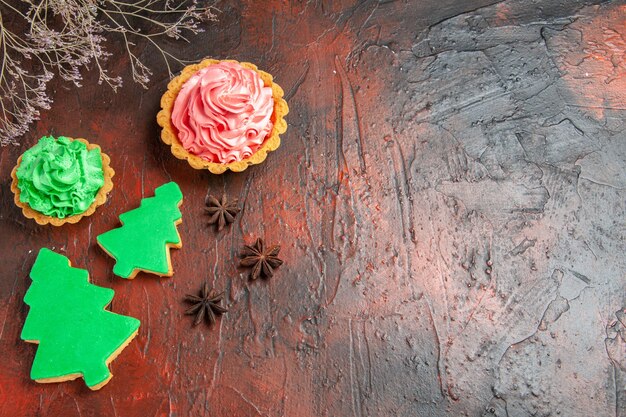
{"type": "Point", "coordinates": [39, 38]}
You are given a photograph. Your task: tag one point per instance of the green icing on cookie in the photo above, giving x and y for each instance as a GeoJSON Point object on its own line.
{"type": "Point", "coordinates": [67, 317]}
{"type": "Point", "coordinates": [146, 235]}
{"type": "Point", "coordinates": [60, 177]}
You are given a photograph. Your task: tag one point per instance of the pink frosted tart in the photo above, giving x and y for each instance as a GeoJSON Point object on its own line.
{"type": "Point", "coordinates": [222, 115]}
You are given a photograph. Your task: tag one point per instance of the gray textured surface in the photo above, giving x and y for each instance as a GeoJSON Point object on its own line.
{"type": "Point", "coordinates": [523, 108]}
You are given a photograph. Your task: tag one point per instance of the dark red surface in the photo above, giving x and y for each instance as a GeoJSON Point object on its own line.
{"type": "Point", "coordinates": [449, 198]}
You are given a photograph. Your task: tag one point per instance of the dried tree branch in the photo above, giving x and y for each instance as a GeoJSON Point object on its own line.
{"type": "Point", "coordinates": [41, 38]}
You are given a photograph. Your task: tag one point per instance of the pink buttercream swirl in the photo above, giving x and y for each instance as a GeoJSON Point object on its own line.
{"type": "Point", "coordinates": [222, 113]}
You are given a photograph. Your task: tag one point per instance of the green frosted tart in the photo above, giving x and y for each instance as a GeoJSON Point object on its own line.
{"type": "Point", "coordinates": [60, 180]}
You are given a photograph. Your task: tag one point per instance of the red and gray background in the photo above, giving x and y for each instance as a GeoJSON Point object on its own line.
{"type": "Point", "coordinates": [450, 202]}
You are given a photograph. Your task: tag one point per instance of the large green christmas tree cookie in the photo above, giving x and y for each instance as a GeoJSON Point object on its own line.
{"type": "Point", "coordinates": [143, 242]}
{"type": "Point", "coordinates": [67, 318]}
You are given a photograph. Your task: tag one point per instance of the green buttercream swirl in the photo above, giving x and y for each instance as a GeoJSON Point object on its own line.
{"type": "Point", "coordinates": [60, 177]}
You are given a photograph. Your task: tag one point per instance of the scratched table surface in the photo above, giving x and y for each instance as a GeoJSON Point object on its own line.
{"type": "Point", "coordinates": [450, 202]}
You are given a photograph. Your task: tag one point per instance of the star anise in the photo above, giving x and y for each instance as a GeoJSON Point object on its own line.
{"type": "Point", "coordinates": [222, 212]}
{"type": "Point", "coordinates": [262, 261]}
{"type": "Point", "coordinates": [206, 305]}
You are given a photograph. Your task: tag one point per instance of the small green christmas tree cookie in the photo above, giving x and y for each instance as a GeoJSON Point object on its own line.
{"type": "Point", "coordinates": [67, 318]}
{"type": "Point", "coordinates": [143, 242]}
